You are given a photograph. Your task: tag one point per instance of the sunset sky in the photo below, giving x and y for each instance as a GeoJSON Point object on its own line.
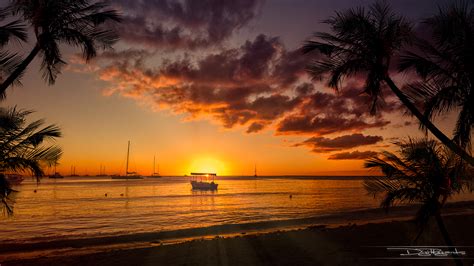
{"type": "Point", "coordinates": [214, 86]}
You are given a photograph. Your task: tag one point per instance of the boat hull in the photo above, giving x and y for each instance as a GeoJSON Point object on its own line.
{"type": "Point", "coordinates": [127, 177]}
{"type": "Point", "coordinates": [14, 179]}
{"type": "Point", "coordinates": [203, 185]}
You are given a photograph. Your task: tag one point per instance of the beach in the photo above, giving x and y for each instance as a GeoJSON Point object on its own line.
{"type": "Point", "coordinates": [327, 240]}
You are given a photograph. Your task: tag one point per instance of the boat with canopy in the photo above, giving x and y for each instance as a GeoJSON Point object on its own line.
{"type": "Point", "coordinates": [203, 181]}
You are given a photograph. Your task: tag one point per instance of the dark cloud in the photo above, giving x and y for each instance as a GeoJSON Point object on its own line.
{"type": "Point", "coordinates": [404, 124]}
{"type": "Point", "coordinates": [186, 24]}
{"type": "Point", "coordinates": [350, 100]}
{"type": "Point", "coordinates": [355, 155]}
{"type": "Point", "coordinates": [128, 54]}
{"type": "Point", "coordinates": [324, 113]}
{"type": "Point", "coordinates": [323, 125]}
{"type": "Point", "coordinates": [322, 144]}
{"type": "Point", "coordinates": [255, 127]}
{"type": "Point", "coordinates": [272, 107]}
{"type": "Point", "coordinates": [256, 55]}
{"type": "Point", "coordinates": [291, 62]}
{"type": "Point", "coordinates": [305, 89]}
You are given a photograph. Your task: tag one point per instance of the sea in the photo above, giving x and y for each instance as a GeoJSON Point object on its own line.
{"type": "Point", "coordinates": [88, 207]}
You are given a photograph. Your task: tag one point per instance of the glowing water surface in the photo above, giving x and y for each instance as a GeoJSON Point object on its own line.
{"type": "Point", "coordinates": [78, 207]}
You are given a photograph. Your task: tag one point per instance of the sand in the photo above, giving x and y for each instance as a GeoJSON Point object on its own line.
{"type": "Point", "coordinates": [313, 241]}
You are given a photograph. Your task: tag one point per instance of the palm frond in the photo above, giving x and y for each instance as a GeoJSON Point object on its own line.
{"type": "Point", "coordinates": [52, 60]}
{"type": "Point", "coordinates": [26, 146]}
{"type": "Point", "coordinates": [8, 63]}
{"type": "Point", "coordinates": [13, 30]}
{"type": "Point", "coordinates": [6, 196]}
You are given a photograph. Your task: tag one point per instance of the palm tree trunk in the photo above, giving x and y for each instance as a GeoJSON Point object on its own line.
{"type": "Point", "coordinates": [18, 71]}
{"type": "Point", "coordinates": [447, 238]}
{"type": "Point", "coordinates": [420, 232]}
{"type": "Point", "coordinates": [427, 123]}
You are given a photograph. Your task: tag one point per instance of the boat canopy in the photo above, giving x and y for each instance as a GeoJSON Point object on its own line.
{"type": "Point", "coordinates": [204, 174]}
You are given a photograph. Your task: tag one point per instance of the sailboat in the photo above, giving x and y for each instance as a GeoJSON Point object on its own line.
{"type": "Point", "coordinates": [128, 175]}
{"type": "Point", "coordinates": [101, 171]}
{"type": "Point", "coordinates": [155, 174]}
{"type": "Point", "coordinates": [56, 174]}
{"type": "Point", "coordinates": [255, 171]}
{"type": "Point", "coordinates": [73, 171]}
{"type": "Point", "coordinates": [14, 179]}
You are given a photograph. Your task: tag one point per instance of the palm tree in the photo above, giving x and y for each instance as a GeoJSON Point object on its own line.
{"type": "Point", "coordinates": [23, 147]}
{"type": "Point", "coordinates": [73, 22]}
{"type": "Point", "coordinates": [425, 172]}
{"type": "Point", "coordinates": [446, 65]}
{"type": "Point", "coordinates": [14, 30]}
{"type": "Point", "coordinates": [363, 43]}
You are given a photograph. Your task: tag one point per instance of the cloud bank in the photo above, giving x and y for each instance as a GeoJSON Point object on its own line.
{"type": "Point", "coordinates": [256, 85]}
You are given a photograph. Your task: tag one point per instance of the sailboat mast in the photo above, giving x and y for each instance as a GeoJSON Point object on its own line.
{"type": "Point", "coordinates": [255, 170]}
{"type": "Point", "coordinates": [153, 165]}
{"type": "Point", "coordinates": [128, 153]}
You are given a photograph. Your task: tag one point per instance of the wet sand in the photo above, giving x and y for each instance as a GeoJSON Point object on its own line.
{"type": "Point", "coordinates": [324, 240]}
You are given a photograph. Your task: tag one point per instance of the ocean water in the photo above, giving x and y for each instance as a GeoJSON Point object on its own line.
{"type": "Point", "coordinates": [77, 207]}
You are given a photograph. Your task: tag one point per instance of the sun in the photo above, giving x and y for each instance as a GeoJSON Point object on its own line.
{"type": "Point", "coordinates": [207, 165]}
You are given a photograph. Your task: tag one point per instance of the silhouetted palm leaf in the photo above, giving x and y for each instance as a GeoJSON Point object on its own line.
{"type": "Point", "coordinates": [14, 30]}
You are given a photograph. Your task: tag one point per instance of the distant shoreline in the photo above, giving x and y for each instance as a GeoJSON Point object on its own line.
{"type": "Point", "coordinates": [309, 177]}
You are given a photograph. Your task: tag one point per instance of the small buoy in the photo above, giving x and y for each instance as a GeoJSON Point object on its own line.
{"type": "Point", "coordinates": [34, 191]}
{"type": "Point", "coordinates": [121, 195]}
{"type": "Point", "coordinates": [105, 194]}
{"type": "Point", "coordinates": [291, 196]}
